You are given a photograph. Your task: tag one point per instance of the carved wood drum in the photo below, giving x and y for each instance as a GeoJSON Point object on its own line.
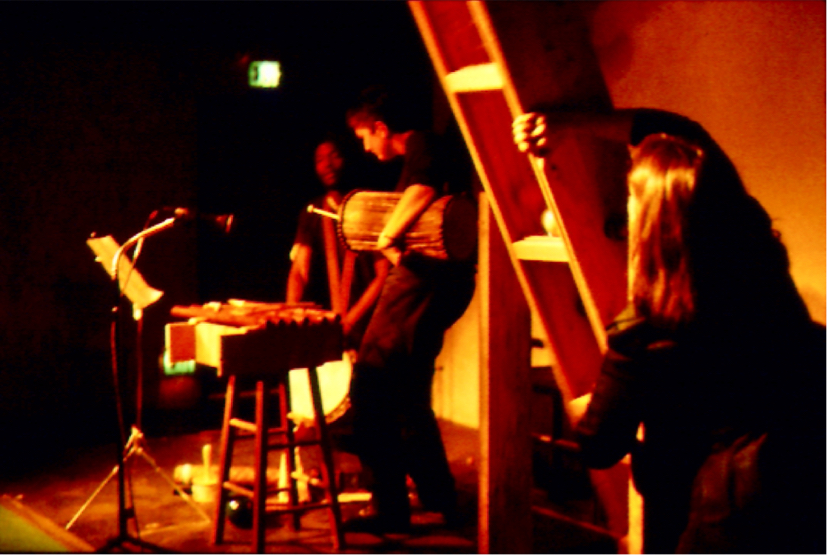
{"type": "Point", "coordinates": [447, 230]}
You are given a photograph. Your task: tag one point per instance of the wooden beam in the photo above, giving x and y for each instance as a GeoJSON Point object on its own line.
{"type": "Point", "coordinates": [505, 524]}
{"type": "Point", "coordinates": [480, 77]}
{"type": "Point", "coordinates": [541, 247]}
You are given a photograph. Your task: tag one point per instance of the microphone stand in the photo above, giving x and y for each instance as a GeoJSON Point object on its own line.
{"type": "Point", "coordinates": [134, 445]}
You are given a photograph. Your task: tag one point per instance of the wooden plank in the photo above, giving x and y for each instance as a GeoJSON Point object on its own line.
{"type": "Point", "coordinates": [551, 65]}
{"type": "Point", "coordinates": [458, 40]}
{"type": "Point", "coordinates": [518, 209]}
{"type": "Point", "coordinates": [480, 77]}
{"type": "Point", "coordinates": [509, 179]}
{"type": "Point", "coordinates": [546, 61]}
{"type": "Point", "coordinates": [570, 337]}
{"type": "Point", "coordinates": [505, 384]}
{"type": "Point", "coordinates": [541, 247]}
{"type": "Point", "coordinates": [587, 177]}
{"type": "Point", "coordinates": [545, 45]}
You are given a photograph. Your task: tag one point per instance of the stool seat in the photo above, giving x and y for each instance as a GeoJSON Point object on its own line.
{"type": "Point", "coordinates": [234, 428]}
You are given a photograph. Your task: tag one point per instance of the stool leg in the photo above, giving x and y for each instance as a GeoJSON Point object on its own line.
{"type": "Point", "coordinates": [260, 486]}
{"type": "Point", "coordinates": [287, 424]}
{"type": "Point", "coordinates": [328, 469]}
{"type": "Point", "coordinates": [227, 439]}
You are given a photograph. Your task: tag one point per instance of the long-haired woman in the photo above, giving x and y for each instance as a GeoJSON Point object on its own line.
{"type": "Point", "coordinates": [715, 355]}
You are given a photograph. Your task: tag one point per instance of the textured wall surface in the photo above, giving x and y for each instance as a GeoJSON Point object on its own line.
{"type": "Point", "coordinates": [753, 74]}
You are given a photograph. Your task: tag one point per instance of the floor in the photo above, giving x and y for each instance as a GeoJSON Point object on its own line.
{"type": "Point", "coordinates": [168, 523]}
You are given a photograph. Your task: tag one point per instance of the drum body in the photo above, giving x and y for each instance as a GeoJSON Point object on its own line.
{"type": "Point", "coordinates": [334, 386]}
{"type": "Point", "coordinates": [446, 230]}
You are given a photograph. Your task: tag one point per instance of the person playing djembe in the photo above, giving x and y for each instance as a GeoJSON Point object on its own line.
{"type": "Point", "coordinates": [395, 428]}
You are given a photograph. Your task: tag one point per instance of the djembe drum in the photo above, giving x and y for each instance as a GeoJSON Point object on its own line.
{"type": "Point", "coordinates": [446, 230]}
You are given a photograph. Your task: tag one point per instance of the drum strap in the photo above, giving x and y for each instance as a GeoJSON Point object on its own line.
{"type": "Point", "coordinates": [347, 278]}
{"type": "Point", "coordinates": [338, 283]}
{"type": "Point", "coordinates": [332, 258]}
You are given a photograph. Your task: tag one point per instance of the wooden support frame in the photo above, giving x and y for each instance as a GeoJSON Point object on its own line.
{"type": "Point", "coordinates": [495, 60]}
{"type": "Point", "coordinates": [505, 435]}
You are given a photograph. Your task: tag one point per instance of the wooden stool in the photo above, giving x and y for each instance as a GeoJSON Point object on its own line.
{"type": "Point", "coordinates": [261, 432]}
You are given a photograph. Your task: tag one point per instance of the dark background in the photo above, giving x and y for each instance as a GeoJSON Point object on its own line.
{"type": "Point", "coordinates": [109, 111]}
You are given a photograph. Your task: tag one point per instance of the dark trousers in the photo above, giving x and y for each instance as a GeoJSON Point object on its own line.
{"type": "Point", "coordinates": [394, 426]}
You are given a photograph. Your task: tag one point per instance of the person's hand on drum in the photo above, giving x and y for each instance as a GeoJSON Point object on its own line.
{"type": "Point", "coordinates": [393, 254]}
{"type": "Point", "coordinates": [383, 241]}
{"type": "Point", "coordinates": [387, 245]}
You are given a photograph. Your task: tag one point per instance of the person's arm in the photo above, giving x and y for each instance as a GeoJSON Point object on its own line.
{"type": "Point", "coordinates": [577, 408]}
{"type": "Point", "coordinates": [299, 272]}
{"type": "Point", "coordinates": [608, 429]}
{"type": "Point", "coordinates": [541, 133]}
{"type": "Point", "coordinates": [613, 410]}
{"type": "Point", "coordinates": [381, 268]}
{"type": "Point", "coordinates": [411, 205]}
{"type": "Point", "coordinates": [421, 179]}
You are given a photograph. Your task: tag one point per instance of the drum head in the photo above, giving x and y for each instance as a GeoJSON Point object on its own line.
{"type": "Point", "coordinates": [334, 384]}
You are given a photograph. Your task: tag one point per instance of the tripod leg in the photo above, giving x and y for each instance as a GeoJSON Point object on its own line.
{"type": "Point", "coordinates": [88, 502]}
{"type": "Point", "coordinates": [129, 448]}
{"type": "Point", "coordinates": [184, 495]}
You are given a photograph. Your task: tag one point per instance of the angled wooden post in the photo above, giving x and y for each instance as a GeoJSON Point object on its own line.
{"type": "Point", "coordinates": [505, 386]}
{"type": "Point", "coordinates": [494, 61]}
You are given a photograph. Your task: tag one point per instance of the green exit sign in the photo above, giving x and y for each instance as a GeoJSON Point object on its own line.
{"type": "Point", "coordinates": [264, 74]}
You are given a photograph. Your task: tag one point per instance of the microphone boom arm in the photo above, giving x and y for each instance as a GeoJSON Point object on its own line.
{"type": "Point", "coordinates": [148, 232]}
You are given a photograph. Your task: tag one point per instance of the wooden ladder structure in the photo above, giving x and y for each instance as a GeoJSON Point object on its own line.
{"type": "Point", "coordinates": [497, 60]}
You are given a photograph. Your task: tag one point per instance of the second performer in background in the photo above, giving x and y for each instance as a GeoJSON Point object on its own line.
{"type": "Point", "coordinates": [322, 270]}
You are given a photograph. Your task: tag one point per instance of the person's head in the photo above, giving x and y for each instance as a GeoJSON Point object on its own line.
{"type": "Point", "coordinates": [374, 122]}
{"type": "Point", "coordinates": [662, 183]}
{"type": "Point", "coordinates": [329, 162]}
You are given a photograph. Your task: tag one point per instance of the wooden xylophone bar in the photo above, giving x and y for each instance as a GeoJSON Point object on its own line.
{"type": "Point", "coordinates": [242, 337]}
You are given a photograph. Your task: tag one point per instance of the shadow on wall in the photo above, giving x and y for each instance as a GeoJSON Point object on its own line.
{"type": "Point", "coordinates": [815, 303]}
{"type": "Point", "coordinates": [612, 37]}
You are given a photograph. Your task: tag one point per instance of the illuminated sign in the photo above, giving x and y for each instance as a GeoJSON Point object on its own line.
{"type": "Point", "coordinates": [264, 75]}
{"type": "Point", "coordinates": [178, 368]}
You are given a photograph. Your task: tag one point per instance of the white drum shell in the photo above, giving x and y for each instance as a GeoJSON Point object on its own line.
{"type": "Point", "coordinates": [334, 386]}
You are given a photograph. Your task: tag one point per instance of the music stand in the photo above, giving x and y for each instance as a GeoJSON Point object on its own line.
{"type": "Point", "coordinates": [132, 285]}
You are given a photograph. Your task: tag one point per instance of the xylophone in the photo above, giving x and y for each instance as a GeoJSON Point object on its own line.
{"type": "Point", "coordinates": [252, 338]}
{"type": "Point", "coordinates": [265, 341]}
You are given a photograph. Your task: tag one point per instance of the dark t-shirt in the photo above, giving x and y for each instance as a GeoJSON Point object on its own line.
{"type": "Point", "coordinates": [426, 163]}
{"type": "Point", "coordinates": [310, 233]}
{"type": "Point", "coordinates": [422, 163]}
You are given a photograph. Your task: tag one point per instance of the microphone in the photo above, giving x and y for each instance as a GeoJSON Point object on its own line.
{"type": "Point", "coordinates": [223, 221]}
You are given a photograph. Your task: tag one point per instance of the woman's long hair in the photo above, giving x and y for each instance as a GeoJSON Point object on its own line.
{"type": "Point", "coordinates": [662, 181]}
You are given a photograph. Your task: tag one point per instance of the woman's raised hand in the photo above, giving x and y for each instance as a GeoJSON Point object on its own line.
{"type": "Point", "coordinates": [531, 133]}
